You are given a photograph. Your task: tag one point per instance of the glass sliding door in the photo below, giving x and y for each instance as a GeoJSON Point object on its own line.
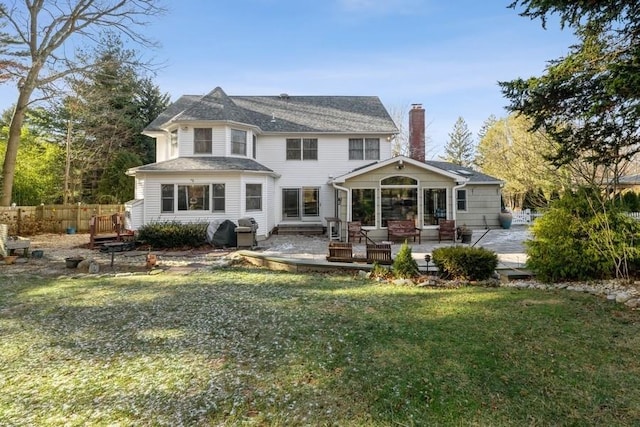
{"type": "Point", "coordinates": [435, 205]}
{"type": "Point", "coordinates": [290, 204]}
{"type": "Point", "coordinates": [311, 200]}
{"type": "Point", "coordinates": [300, 203]}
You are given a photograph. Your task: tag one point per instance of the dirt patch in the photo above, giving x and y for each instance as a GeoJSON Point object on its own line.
{"type": "Point", "coordinates": [57, 247]}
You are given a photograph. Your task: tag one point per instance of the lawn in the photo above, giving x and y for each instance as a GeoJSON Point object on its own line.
{"type": "Point", "coordinates": [256, 347]}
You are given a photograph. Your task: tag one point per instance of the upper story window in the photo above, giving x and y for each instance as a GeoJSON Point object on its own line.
{"type": "Point", "coordinates": [254, 148]}
{"type": "Point", "coordinates": [364, 148]}
{"type": "Point", "coordinates": [202, 141]}
{"type": "Point", "coordinates": [302, 149]}
{"type": "Point", "coordinates": [174, 142]}
{"type": "Point", "coordinates": [238, 142]}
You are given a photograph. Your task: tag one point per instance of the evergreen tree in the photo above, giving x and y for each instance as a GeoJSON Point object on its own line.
{"type": "Point", "coordinates": [588, 101]}
{"type": "Point", "coordinates": [108, 111]}
{"type": "Point", "coordinates": [460, 150]}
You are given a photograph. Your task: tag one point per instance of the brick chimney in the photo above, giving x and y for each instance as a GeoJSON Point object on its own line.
{"type": "Point", "coordinates": [416, 132]}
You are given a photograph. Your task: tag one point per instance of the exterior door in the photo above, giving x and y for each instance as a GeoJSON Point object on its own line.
{"type": "Point", "coordinates": [311, 204]}
{"type": "Point", "coordinates": [290, 203]}
{"type": "Point", "coordinates": [301, 204]}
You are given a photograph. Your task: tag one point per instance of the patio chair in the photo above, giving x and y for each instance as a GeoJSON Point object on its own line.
{"type": "Point", "coordinates": [447, 230]}
{"type": "Point", "coordinates": [356, 231]}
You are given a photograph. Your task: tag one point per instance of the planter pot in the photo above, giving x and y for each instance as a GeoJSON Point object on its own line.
{"type": "Point", "coordinates": [10, 259]}
{"type": "Point", "coordinates": [73, 262]}
{"type": "Point", "coordinates": [505, 219]}
{"type": "Point", "coordinates": [465, 236]}
{"type": "Point", "coordinates": [38, 253]}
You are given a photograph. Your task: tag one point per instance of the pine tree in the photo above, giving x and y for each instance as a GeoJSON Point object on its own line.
{"type": "Point", "coordinates": [460, 150]}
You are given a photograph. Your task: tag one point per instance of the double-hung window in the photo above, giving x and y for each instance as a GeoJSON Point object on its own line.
{"type": "Point", "coordinates": [461, 200]}
{"type": "Point", "coordinates": [253, 197]}
{"type": "Point", "coordinates": [167, 196]}
{"type": "Point", "coordinates": [218, 198]}
{"type": "Point", "coordinates": [238, 142]}
{"type": "Point", "coordinates": [364, 148]}
{"type": "Point", "coordinates": [174, 143]}
{"type": "Point", "coordinates": [202, 141]}
{"type": "Point", "coordinates": [302, 149]}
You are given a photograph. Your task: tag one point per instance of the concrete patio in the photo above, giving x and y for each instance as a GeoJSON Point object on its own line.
{"type": "Point", "coordinates": [309, 252]}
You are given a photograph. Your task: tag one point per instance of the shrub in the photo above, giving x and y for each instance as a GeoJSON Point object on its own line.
{"type": "Point", "coordinates": [404, 266]}
{"type": "Point", "coordinates": [630, 202]}
{"type": "Point", "coordinates": [173, 234]}
{"type": "Point", "coordinates": [465, 263]}
{"type": "Point", "coordinates": [379, 271]}
{"type": "Point", "coordinates": [581, 237]}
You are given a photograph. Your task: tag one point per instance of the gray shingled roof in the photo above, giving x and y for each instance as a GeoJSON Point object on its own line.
{"type": "Point", "coordinates": [317, 114]}
{"type": "Point", "coordinates": [203, 164]}
{"type": "Point", "coordinates": [470, 174]}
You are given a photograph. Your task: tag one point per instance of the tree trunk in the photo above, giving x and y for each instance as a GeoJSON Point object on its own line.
{"type": "Point", "coordinates": [67, 164]}
{"type": "Point", "coordinates": [15, 129]}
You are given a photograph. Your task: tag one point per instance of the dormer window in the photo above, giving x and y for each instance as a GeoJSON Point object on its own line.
{"type": "Point", "coordinates": [239, 142]}
{"type": "Point", "coordinates": [202, 141]}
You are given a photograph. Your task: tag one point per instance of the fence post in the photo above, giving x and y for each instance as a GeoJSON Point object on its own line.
{"type": "Point", "coordinates": [19, 222]}
{"type": "Point", "coordinates": [78, 225]}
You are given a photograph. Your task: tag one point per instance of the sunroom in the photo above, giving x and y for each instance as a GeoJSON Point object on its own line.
{"type": "Point", "coordinates": [401, 188]}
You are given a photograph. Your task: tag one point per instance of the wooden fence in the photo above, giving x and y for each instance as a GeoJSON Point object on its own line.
{"type": "Point", "coordinates": [29, 220]}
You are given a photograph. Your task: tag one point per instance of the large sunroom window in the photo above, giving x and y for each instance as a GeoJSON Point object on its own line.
{"type": "Point", "coordinates": [435, 205]}
{"type": "Point", "coordinates": [399, 198]}
{"type": "Point", "coordinates": [363, 206]}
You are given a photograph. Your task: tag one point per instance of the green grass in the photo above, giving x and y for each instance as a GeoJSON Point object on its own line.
{"type": "Point", "coordinates": [255, 347]}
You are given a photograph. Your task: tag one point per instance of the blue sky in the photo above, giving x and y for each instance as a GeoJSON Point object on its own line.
{"type": "Point", "coordinates": [446, 55]}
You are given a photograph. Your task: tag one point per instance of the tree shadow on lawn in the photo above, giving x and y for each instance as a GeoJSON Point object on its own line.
{"type": "Point", "coordinates": [281, 348]}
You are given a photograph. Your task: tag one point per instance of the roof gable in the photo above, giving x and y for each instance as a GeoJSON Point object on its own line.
{"type": "Point", "coordinates": [457, 173]}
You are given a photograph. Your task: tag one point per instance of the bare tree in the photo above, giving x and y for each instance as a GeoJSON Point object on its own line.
{"type": "Point", "coordinates": [36, 45]}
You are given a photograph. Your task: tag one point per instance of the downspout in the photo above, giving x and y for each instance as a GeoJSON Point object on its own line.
{"type": "Point", "coordinates": [454, 203]}
{"type": "Point", "coordinates": [346, 190]}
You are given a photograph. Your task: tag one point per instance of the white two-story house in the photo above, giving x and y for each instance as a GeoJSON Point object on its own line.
{"type": "Point", "coordinates": [299, 160]}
